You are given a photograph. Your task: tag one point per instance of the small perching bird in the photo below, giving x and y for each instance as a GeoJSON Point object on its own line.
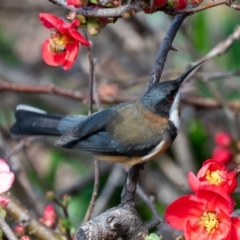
{"type": "Point", "coordinates": [130, 133]}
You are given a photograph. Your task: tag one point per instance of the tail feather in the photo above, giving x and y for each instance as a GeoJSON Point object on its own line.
{"type": "Point", "coordinates": [35, 123]}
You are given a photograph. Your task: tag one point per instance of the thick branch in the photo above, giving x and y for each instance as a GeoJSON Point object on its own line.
{"type": "Point", "coordinates": [121, 221]}
{"type": "Point", "coordinates": [21, 215]}
{"type": "Point", "coordinates": [132, 6]}
{"type": "Point", "coordinates": [165, 47]}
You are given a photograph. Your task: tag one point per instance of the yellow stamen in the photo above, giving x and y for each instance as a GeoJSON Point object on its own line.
{"type": "Point", "coordinates": [210, 221]}
{"type": "Point", "coordinates": [58, 42]}
{"type": "Point", "coordinates": [214, 177]}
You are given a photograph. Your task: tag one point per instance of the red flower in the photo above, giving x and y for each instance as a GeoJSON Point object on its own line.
{"type": "Point", "coordinates": [63, 45]}
{"type": "Point", "coordinates": [223, 139]}
{"type": "Point", "coordinates": [49, 216]}
{"type": "Point", "coordinates": [19, 230]}
{"type": "Point", "coordinates": [213, 173]}
{"type": "Point", "coordinates": [6, 181]}
{"type": "Point", "coordinates": [222, 155]}
{"type": "Point", "coordinates": [204, 216]}
{"type": "Point", "coordinates": [77, 3]}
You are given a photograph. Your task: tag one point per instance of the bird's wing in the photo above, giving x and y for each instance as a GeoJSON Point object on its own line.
{"type": "Point", "coordinates": [90, 126]}
{"type": "Point", "coordinates": [103, 142]}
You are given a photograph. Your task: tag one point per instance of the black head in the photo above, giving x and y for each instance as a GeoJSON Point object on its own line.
{"type": "Point", "coordinates": [162, 96]}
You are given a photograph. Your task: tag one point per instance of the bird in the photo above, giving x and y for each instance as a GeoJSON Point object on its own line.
{"type": "Point", "coordinates": [128, 133]}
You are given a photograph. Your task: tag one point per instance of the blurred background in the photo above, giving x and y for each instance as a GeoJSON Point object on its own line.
{"type": "Point", "coordinates": [124, 54]}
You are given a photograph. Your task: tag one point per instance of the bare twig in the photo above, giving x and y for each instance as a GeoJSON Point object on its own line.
{"type": "Point", "coordinates": [65, 212]}
{"type": "Point", "coordinates": [149, 203]}
{"type": "Point", "coordinates": [165, 47]}
{"type": "Point", "coordinates": [96, 161]}
{"type": "Point", "coordinates": [95, 191]}
{"type": "Point", "coordinates": [223, 46]}
{"type": "Point", "coordinates": [203, 7]}
{"type": "Point", "coordinates": [20, 146]}
{"type": "Point", "coordinates": [7, 230]}
{"type": "Point", "coordinates": [54, 90]}
{"type": "Point", "coordinates": [133, 6]}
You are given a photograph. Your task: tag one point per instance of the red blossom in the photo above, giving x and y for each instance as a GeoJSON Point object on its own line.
{"type": "Point", "coordinates": [213, 173]}
{"type": "Point", "coordinates": [63, 45]}
{"type": "Point", "coordinates": [77, 3]}
{"type": "Point", "coordinates": [19, 230]}
{"type": "Point", "coordinates": [6, 181]}
{"type": "Point", "coordinates": [223, 139]}
{"type": "Point", "coordinates": [204, 216]}
{"type": "Point", "coordinates": [49, 216]}
{"type": "Point", "coordinates": [222, 155]}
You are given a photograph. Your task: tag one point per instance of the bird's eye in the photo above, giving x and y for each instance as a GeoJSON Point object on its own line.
{"type": "Point", "coordinates": [171, 98]}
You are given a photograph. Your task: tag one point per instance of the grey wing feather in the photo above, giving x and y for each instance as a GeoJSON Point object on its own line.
{"type": "Point", "coordinates": [102, 142]}
{"type": "Point", "coordinates": [90, 125]}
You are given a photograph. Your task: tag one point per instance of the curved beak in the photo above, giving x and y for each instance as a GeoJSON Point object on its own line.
{"type": "Point", "coordinates": [184, 75]}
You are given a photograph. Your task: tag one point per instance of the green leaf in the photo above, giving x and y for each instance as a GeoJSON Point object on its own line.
{"type": "Point", "coordinates": [153, 236]}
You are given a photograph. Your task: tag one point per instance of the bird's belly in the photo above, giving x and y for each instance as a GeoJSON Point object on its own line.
{"type": "Point", "coordinates": [133, 160]}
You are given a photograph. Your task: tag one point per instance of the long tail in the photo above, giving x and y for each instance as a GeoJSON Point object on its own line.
{"type": "Point", "coordinates": [33, 121]}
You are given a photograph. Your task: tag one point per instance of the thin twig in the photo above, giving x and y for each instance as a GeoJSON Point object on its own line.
{"type": "Point", "coordinates": [7, 230]}
{"type": "Point", "coordinates": [96, 161]}
{"type": "Point", "coordinates": [223, 46]}
{"type": "Point", "coordinates": [148, 202]}
{"type": "Point", "coordinates": [21, 144]}
{"type": "Point", "coordinates": [203, 7]}
{"type": "Point", "coordinates": [55, 90]}
{"type": "Point", "coordinates": [95, 191]}
{"type": "Point", "coordinates": [65, 212]}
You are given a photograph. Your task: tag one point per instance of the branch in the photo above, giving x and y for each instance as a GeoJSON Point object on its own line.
{"type": "Point", "coordinates": [7, 230]}
{"type": "Point", "coordinates": [203, 7]}
{"type": "Point", "coordinates": [55, 90]}
{"type": "Point", "coordinates": [223, 46]}
{"type": "Point", "coordinates": [165, 47]}
{"type": "Point", "coordinates": [21, 215]}
{"type": "Point", "coordinates": [132, 6]}
{"type": "Point", "coordinates": [121, 221]}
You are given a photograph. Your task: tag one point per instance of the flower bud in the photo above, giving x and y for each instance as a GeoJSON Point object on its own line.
{"type": "Point", "coordinates": [19, 230]}
{"type": "Point", "coordinates": [223, 139]}
{"type": "Point", "coordinates": [93, 28]}
{"type": "Point", "coordinates": [77, 3]}
{"type": "Point", "coordinates": [222, 155]}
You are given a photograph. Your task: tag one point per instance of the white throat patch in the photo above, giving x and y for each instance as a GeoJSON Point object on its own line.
{"type": "Point", "coordinates": [174, 111]}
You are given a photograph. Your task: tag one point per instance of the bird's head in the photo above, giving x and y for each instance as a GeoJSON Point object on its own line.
{"type": "Point", "coordinates": [163, 98]}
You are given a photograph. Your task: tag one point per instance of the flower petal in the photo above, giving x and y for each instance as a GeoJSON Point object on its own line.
{"type": "Point", "coordinates": [215, 197]}
{"type": "Point", "coordinates": [50, 58]}
{"type": "Point", "coordinates": [79, 37]}
{"type": "Point", "coordinates": [6, 181]}
{"type": "Point", "coordinates": [193, 181]}
{"type": "Point", "coordinates": [49, 20]}
{"type": "Point", "coordinates": [3, 201]}
{"type": "Point", "coordinates": [235, 230]}
{"type": "Point", "coordinates": [183, 209]}
{"type": "Point", "coordinates": [72, 50]}
{"type": "Point", "coordinates": [4, 166]}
